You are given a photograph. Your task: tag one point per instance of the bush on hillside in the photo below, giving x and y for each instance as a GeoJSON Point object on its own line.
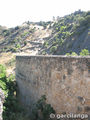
{"type": "Point", "coordinates": [72, 54]}
{"type": "Point", "coordinates": [53, 49]}
{"type": "Point", "coordinates": [84, 52]}
{"type": "Point", "coordinates": [42, 110]}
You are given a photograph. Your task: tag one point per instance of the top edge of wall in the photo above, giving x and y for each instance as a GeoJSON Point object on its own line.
{"type": "Point", "coordinates": [51, 56]}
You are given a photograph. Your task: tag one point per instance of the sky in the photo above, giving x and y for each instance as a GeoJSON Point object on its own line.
{"type": "Point", "coordinates": [16, 12]}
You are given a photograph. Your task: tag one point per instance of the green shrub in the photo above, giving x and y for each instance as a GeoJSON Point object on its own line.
{"type": "Point", "coordinates": [11, 108]}
{"type": "Point", "coordinates": [18, 46]}
{"type": "Point", "coordinates": [25, 43]}
{"type": "Point", "coordinates": [60, 42]}
{"type": "Point", "coordinates": [14, 49]}
{"type": "Point", "coordinates": [24, 34]}
{"type": "Point", "coordinates": [43, 108]}
{"type": "Point", "coordinates": [53, 49]}
{"type": "Point", "coordinates": [43, 53]}
{"type": "Point", "coordinates": [3, 78]}
{"type": "Point", "coordinates": [46, 44]}
{"type": "Point", "coordinates": [6, 33]}
{"type": "Point", "coordinates": [17, 27]}
{"type": "Point", "coordinates": [62, 28]}
{"type": "Point", "coordinates": [72, 54]}
{"type": "Point", "coordinates": [67, 54]}
{"type": "Point", "coordinates": [15, 41]}
{"type": "Point", "coordinates": [84, 52]}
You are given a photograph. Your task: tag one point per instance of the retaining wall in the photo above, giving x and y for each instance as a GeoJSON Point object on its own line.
{"type": "Point", "coordinates": [64, 80]}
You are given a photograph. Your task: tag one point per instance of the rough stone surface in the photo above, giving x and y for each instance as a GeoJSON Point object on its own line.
{"type": "Point", "coordinates": [64, 80]}
{"type": "Point", "coordinates": [1, 103]}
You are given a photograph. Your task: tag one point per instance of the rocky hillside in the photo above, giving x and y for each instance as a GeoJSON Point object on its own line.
{"type": "Point", "coordinates": [27, 38]}
{"type": "Point", "coordinates": [70, 33]}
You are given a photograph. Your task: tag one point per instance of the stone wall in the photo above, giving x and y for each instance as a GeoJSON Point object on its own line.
{"type": "Point", "coordinates": [64, 80]}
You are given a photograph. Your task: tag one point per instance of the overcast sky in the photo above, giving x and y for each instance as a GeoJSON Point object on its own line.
{"type": "Point", "coordinates": [15, 12]}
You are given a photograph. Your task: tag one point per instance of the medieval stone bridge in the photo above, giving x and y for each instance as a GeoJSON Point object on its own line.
{"type": "Point", "coordinates": [64, 80]}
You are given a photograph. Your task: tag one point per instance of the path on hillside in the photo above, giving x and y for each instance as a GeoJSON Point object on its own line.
{"type": "Point", "coordinates": [35, 42]}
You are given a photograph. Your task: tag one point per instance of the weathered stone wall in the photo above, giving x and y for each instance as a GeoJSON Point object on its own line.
{"type": "Point", "coordinates": [64, 80]}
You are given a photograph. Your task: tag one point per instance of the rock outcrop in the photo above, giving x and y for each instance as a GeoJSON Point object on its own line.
{"type": "Point", "coordinates": [2, 97]}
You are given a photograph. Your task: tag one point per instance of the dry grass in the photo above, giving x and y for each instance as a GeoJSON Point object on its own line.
{"type": "Point", "coordinates": [8, 60]}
